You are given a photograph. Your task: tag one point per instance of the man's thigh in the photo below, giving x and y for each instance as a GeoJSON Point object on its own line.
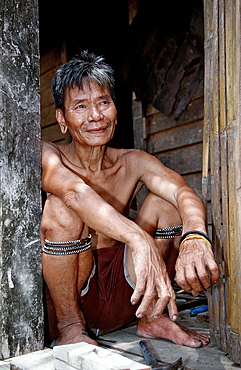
{"type": "Point", "coordinates": [107, 305]}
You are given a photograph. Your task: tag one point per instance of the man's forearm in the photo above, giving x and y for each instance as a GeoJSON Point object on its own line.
{"type": "Point", "coordinates": [170, 186]}
{"type": "Point", "coordinates": [101, 216]}
{"type": "Point", "coordinates": [192, 210]}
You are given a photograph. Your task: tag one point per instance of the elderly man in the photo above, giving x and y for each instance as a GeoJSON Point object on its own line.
{"type": "Point", "coordinates": [101, 268]}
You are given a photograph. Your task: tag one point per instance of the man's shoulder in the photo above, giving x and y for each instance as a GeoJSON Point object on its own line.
{"type": "Point", "coordinates": [136, 156]}
{"type": "Point", "coordinates": [50, 153]}
{"type": "Point", "coordinates": [47, 145]}
{"type": "Point", "coordinates": [50, 148]}
{"type": "Point", "coordinates": [128, 153]}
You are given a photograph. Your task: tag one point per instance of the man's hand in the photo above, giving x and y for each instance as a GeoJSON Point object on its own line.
{"type": "Point", "coordinates": [152, 280]}
{"type": "Point", "coordinates": [196, 268]}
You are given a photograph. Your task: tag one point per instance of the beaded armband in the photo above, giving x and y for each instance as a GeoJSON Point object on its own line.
{"type": "Point", "coordinates": [66, 248]}
{"type": "Point", "coordinates": [168, 232]}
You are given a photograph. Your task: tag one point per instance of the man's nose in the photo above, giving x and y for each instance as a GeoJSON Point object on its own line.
{"type": "Point", "coordinates": [95, 113]}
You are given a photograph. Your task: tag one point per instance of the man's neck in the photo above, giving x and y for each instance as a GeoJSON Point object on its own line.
{"type": "Point", "coordinates": [91, 158]}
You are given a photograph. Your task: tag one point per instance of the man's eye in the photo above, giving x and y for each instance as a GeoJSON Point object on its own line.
{"type": "Point", "coordinates": [104, 102]}
{"type": "Point", "coordinates": [80, 106]}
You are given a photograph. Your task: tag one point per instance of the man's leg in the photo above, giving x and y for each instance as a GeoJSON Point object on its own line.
{"type": "Point", "coordinates": [65, 274]}
{"type": "Point", "coordinates": [156, 213]}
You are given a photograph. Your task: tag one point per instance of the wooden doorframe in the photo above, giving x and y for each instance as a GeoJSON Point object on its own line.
{"type": "Point", "coordinates": [221, 165]}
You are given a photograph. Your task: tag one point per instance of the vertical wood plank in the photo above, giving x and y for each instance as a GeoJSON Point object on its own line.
{"type": "Point", "coordinates": [223, 91]}
{"type": "Point", "coordinates": [212, 116]}
{"type": "Point", "coordinates": [238, 159]}
{"type": "Point", "coordinates": [224, 237]}
{"type": "Point", "coordinates": [231, 83]}
{"type": "Point", "coordinates": [234, 145]}
{"type": "Point", "coordinates": [21, 313]}
{"type": "Point", "coordinates": [207, 123]}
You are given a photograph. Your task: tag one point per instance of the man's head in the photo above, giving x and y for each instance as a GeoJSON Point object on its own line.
{"type": "Point", "coordinates": [88, 67]}
{"type": "Point", "coordinates": [83, 90]}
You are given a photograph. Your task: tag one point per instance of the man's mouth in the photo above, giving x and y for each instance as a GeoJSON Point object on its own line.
{"type": "Point", "coordinates": [99, 129]}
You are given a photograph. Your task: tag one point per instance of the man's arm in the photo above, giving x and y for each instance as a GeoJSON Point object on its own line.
{"type": "Point", "coordinates": [151, 277]}
{"type": "Point", "coordinates": [195, 268]}
{"type": "Point", "coordinates": [83, 200]}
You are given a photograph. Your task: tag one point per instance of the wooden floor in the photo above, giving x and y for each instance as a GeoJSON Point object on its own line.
{"type": "Point", "coordinates": [126, 343]}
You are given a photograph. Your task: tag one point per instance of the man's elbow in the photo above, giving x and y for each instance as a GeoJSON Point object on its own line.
{"type": "Point", "coordinates": [74, 194]}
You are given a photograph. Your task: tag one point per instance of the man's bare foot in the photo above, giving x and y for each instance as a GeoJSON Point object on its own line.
{"type": "Point", "coordinates": [165, 328]}
{"type": "Point", "coordinates": [74, 333]}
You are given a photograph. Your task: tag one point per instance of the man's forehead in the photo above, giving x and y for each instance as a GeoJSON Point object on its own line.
{"type": "Point", "coordinates": [88, 88]}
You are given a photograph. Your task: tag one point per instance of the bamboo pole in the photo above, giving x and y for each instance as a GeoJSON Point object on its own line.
{"type": "Point", "coordinates": [207, 124]}
{"type": "Point", "coordinates": [224, 236]}
{"type": "Point", "coordinates": [211, 139]}
{"type": "Point", "coordinates": [230, 28]}
{"type": "Point", "coordinates": [238, 156]}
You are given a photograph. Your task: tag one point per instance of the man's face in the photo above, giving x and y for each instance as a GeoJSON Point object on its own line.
{"type": "Point", "coordinates": [89, 114]}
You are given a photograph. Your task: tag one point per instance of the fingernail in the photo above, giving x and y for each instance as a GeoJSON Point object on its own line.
{"type": "Point", "coordinates": [174, 317]}
{"type": "Point", "coordinates": [197, 340]}
{"type": "Point", "coordinates": [155, 317]}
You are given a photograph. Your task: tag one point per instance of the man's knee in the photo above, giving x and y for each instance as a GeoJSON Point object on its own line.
{"type": "Point", "coordinates": [59, 218]}
{"type": "Point", "coordinates": [156, 213]}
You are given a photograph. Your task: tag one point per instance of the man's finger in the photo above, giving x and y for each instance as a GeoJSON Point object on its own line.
{"type": "Point", "coordinates": [207, 274]}
{"type": "Point", "coordinates": [203, 276]}
{"type": "Point", "coordinates": [195, 294]}
{"type": "Point", "coordinates": [192, 279]}
{"type": "Point", "coordinates": [172, 309]}
{"type": "Point", "coordinates": [145, 303]}
{"type": "Point", "coordinates": [160, 306]}
{"type": "Point", "coordinates": [166, 296]}
{"type": "Point", "coordinates": [148, 297]}
{"type": "Point", "coordinates": [138, 291]}
{"type": "Point", "coordinates": [181, 279]}
{"type": "Point", "coordinates": [214, 271]}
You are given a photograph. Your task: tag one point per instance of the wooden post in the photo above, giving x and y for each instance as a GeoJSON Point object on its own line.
{"type": "Point", "coordinates": [222, 122]}
{"type": "Point", "coordinates": [21, 312]}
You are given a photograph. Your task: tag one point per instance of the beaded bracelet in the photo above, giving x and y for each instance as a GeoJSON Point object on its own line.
{"type": "Point", "coordinates": [194, 234]}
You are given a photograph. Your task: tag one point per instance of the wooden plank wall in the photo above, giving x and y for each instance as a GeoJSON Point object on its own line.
{"type": "Point", "coordinates": [49, 63]}
{"type": "Point", "coordinates": [222, 144]}
{"type": "Point", "coordinates": [177, 143]}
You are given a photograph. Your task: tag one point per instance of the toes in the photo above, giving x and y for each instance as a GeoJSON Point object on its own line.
{"type": "Point", "coordinates": [196, 336]}
{"type": "Point", "coordinates": [199, 336]}
{"type": "Point", "coordinates": [200, 341]}
{"type": "Point", "coordinates": [197, 343]}
{"type": "Point", "coordinates": [192, 338]}
{"type": "Point", "coordinates": [164, 328]}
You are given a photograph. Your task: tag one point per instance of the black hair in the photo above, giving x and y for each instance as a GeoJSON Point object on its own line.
{"type": "Point", "coordinates": [87, 67]}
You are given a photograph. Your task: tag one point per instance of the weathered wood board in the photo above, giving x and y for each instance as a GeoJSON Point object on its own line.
{"type": "Point", "coordinates": [222, 142]}
{"type": "Point", "coordinates": [49, 64]}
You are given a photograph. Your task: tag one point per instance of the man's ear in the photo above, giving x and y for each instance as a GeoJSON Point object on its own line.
{"type": "Point", "coordinates": [61, 120]}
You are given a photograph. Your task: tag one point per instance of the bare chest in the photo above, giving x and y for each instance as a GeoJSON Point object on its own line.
{"type": "Point", "coordinates": [115, 180]}
{"type": "Point", "coordinates": [115, 187]}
